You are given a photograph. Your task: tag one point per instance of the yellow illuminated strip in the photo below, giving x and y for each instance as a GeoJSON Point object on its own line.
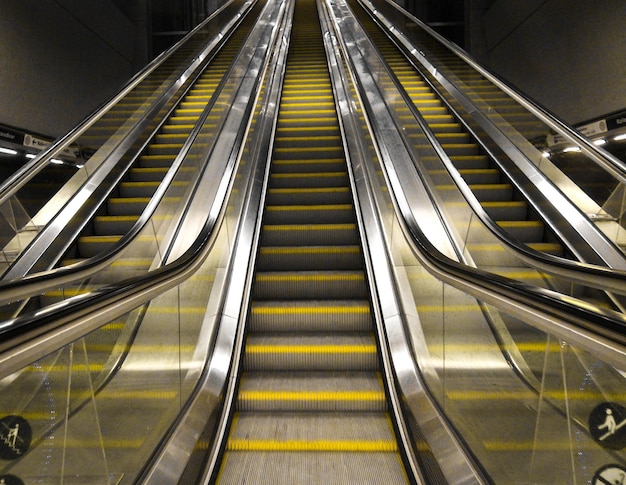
{"type": "Point", "coordinates": [319, 445]}
{"type": "Point", "coordinates": [312, 395]}
{"type": "Point", "coordinates": [310, 310]}
{"type": "Point", "coordinates": [311, 349]}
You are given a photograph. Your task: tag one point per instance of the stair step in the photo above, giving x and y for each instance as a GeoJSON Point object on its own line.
{"type": "Point", "coordinates": [314, 234]}
{"type": "Point", "coordinates": [310, 316]}
{"type": "Point", "coordinates": [327, 391]}
{"type": "Point", "coordinates": [329, 352]}
{"type": "Point", "coordinates": [299, 196]}
{"type": "Point", "coordinates": [309, 214]}
{"type": "Point", "coordinates": [312, 284]}
{"type": "Point", "coordinates": [286, 258]}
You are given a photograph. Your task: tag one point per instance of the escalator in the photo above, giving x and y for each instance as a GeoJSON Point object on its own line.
{"type": "Point", "coordinates": [490, 185]}
{"type": "Point", "coordinates": [133, 194]}
{"type": "Point", "coordinates": [311, 404]}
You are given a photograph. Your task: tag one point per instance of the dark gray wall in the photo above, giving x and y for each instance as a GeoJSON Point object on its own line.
{"type": "Point", "coordinates": [60, 59]}
{"type": "Point", "coordinates": [570, 55]}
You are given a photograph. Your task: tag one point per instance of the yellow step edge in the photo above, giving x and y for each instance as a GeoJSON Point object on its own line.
{"type": "Point", "coordinates": [305, 161]}
{"type": "Point", "coordinates": [311, 349]}
{"type": "Point", "coordinates": [307, 120]}
{"type": "Point", "coordinates": [311, 396]}
{"type": "Point", "coordinates": [318, 445]}
{"type": "Point", "coordinates": [510, 224]}
{"type": "Point", "coordinates": [321, 190]}
{"type": "Point", "coordinates": [280, 310]}
{"type": "Point", "coordinates": [309, 227]}
{"type": "Point", "coordinates": [308, 175]}
{"type": "Point", "coordinates": [308, 138]}
{"type": "Point", "coordinates": [312, 277]}
{"type": "Point", "coordinates": [295, 208]}
{"type": "Point", "coordinates": [317, 149]}
{"type": "Point", "coordinates": [311, 250]}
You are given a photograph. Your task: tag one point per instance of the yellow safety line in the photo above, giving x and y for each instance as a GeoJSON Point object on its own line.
{"type": "Point", "coordinates": [279, 310]}
{"type": "Point", "coordinates": [317, 445]}
{"type": "Point", "coordinates": [312, 395]}
{"type": "Point", "coordinates": [309, 227]}
{"type": "Point", "coordinates": [308, 175]}
{"type": "Point", "coordinates": [314, 277]}
{"type": "Point", "coordinates": [306, 149]}
{"type": "Point", "coordinates": [311, 349]}
{"type": "Point", "coordinates": [322, 190]}
{"type": "Point", "coordinates": [311, 250]}
{"type": "Point", "coordinates": [291, 208]}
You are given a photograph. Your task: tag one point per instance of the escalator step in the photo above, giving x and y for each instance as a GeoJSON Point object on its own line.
{"type": "Point", "coordinates": [312, 234]}
{"type": "Point", "coordinates": [310, 316]}
{"type": "Point", "coordinates": [309, 258]}
{"type": "Point", "coordinates": [324, 165]}
{"type": "Point", "coordinates": [325, 391]}
{"type": "Point", "coordinates": [313, 284]}
{"type": "Point", "coordinates": [309, 214]}
{"type": "Point", "coordinates": [310, 180]}
{"type": "Point", "coordinates": [316, 352]}
{"type": "Point", "coordinates": [309, 196]}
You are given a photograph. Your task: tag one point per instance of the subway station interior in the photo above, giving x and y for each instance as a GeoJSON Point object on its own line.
{"type": "Point", "coordinates": [312, 242]}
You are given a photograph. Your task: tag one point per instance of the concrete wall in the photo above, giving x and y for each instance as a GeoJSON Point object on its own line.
{"type": "Point", "coordinates": [570, 55]}
{"type": "Point", "coordinates": [61, 59]}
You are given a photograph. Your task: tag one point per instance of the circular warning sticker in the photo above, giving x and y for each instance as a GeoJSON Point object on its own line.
{"type": "Point", "coordinates": [15, 437]}
{"type": "Point", "coordinates": [607, 425]}
{"type": "Point", "coordinates": [610, 475]}
{"type": "Point", "coordinates": [10, 480]}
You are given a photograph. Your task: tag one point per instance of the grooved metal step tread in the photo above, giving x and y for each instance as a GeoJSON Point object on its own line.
{"type": "Point", "coordinates": [312, 284]}
{"type": "Point", "coordinates": [310, 316]}
{"type": "Point", "coordinates": [300, 234]}
{"type": "Point", "coordinates": [313, 432]}
{"type": "Point", "coordinates": [325, 391]}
